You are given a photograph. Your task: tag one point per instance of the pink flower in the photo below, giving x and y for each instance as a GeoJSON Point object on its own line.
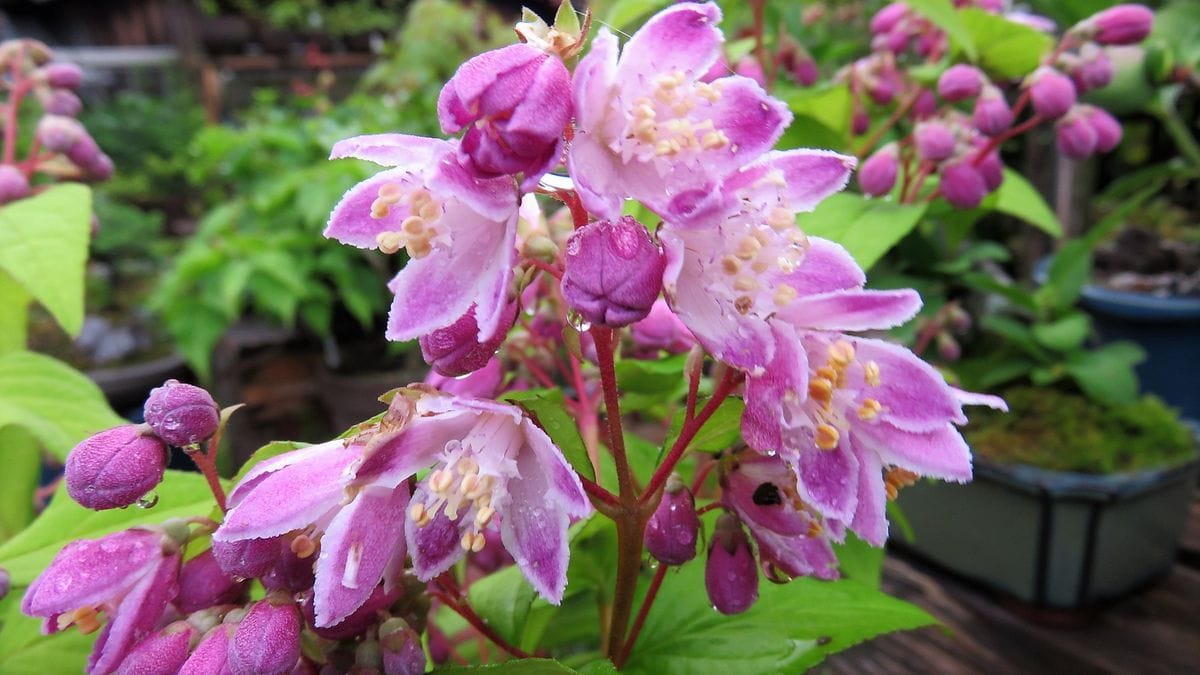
{"type": "Point", "coordinates": [182, 414]}
{"type": "Point", "coordinates": [514, 103]}
{"type": "Point", "coordinates": [1107, 128]}
{"type": "Point", "coordinates": [1119, 25]}
{"type": "Point", "coordinates": [163, 652]}
{"type": "Point", "coordinates": [648, 126]}
{"type": "Point", "coordinates": [963, 185]}
{"type": "Point", "coordinates": [267, 640]}
{"type": "Point", "coordinates": [130, 576]}
{"type": "Point", "coordinates": [673, 528]}
{"type": "Point", "coordinates": [14, 184]}
{"type": "Point", "coordinates": [482, 383]}
{"type": "Point", "coordinates": [992, 116]}
{"type": "Point", "coordinates": [459, 230]}
{"type": "Point", "coordinates": [860, 409]}
{"type": "Point", "coordinates": [1075, 135]}
{"type": "Point", "coordinates": [934, 140]}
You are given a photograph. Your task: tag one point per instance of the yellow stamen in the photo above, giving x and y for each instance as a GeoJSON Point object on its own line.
{"type": "Point", "coordinates": [871, 373]}
{"type": "Point", "coordinates": [820, 390]}
{"type": "Point", "coordinates": [869, 409]}
{"type": "Point", "coordinates": [827, 436]}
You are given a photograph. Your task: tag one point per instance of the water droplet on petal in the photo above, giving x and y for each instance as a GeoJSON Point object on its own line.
{"type": "Point", "coordinates": [148, 501]}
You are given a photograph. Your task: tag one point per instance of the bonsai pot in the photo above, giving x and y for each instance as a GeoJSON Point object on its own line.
{"type": "Point", "coordinates": [1052, 539]}
{"type": "Point", "coordinates": [1168, 328]}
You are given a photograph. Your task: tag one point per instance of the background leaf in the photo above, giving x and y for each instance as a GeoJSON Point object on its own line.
{"type": "Point", "coordinates": [1017, 197]}
{"type": "Point", "coordinates": [1006, 50]}
{"type": "Point", "coordinates": [547, 408]}
{"type": "Point", "coordinates": [868, 228]}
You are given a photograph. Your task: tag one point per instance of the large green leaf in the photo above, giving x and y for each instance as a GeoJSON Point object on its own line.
{"type": "Point", "coordinates": [43, 246]}
{"type": "Point", "coordinates": [1107, 374]}
{"type": "Point", "coordinates": [22, 467]}
{"type": "Point", "coordinates": [1064, 334]}
{"type": "Point", "coordinates": [1018, 198]}
{"type": "Point", "coordinates": [503, 600]}
{"type": "Point", "coordinates": [867, 227]}
{"type": "Point", "coordinates": [25, 651]}
{"type": "Point", "coordinates": [54, 402]}
{"type": "Point", "coordinates": [25, 555]}
{"type": "Point", "coordinates": [521, 667]}
{"type": "Point", "coordinates": [943, 15]}
{"type": "Point", "coordinates": [646, 376]}
{"type": "Point", "coordinates": [791, 627]}
{"type": "Point", "coordinates": [547, 408]}
{"type": "Point", "coordinates": [1007, 50]}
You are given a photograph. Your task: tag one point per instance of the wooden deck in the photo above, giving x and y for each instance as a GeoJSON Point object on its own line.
{"type": "Point", "coordinates": [1154, 631]}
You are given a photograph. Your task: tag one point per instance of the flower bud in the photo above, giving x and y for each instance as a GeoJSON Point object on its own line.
{"type": "Point", "coordinates": [13, 184]}
{"type": "Point", "coordinates": [992, 170]}
{"type": "Point", "coordinates": [62, 75]}
{"type": "Point", "coordinates": [1094, 69]}
{"type": "Point", "coordinates": [1075, 136]}
{"type": "Point", "coordinates": [162, 653]}
{"type": "Point", "coordinates": [947, 347]}
{"type": "Point", "coordinates": [749, 67]}
{"type": "Point", "coordinates": [1052, 93]}
{"type": "Point", "coordinates": [267, 640]}
{"type": "Point", "coordinates": [730, 575]}
{"type": "Point", "coordinates": [212, 654]}
{"type": "Point", "coordinates": [1120, 25]}
{"type": "Point", "coordinates": [960, 82]}
{"type": "Point", "coordinates": [514, 103]}
{"type": "Point", "coordinates": [805, 71]}
{"type": "Point", "coordinates": [860, 122]}
{"type": "Point", "coordinates": [88, 156]}
{"type": "Point", "coordinates": [992, 116]}
{"type": "Point", "coordinates": [5, 583]}
{"type": "Point", "coordinates": [402, 653]}
{"type": "Point", "coordinates": [925, 105]}
{"type": "Point", "coordinates": [60, 102]}
{"type": "Point", "coordinates": [663, 330]}
{"type": "Point", "coordinates": [359, 620]}
{"type": "Point", "coordinates": [182, 414]}
{"type": "Point", "coordinates": [203, 584]}
{"type": "Point", "coordinates": [673, 528]}
{"type": "Point", "coordinates": [613, 272]}
{"type": "Point", "coordinates": [934, 141]}
{"type": "Point", "coordinates": [456, 350]}
{"type": "Point", "coordinates": [1107, 128]}
{"type": "Point", "coordinates": [247, 558]}
{"type": "Point", "coordinates": [58, 133]}
{"type": "Point", "coordinates": [878, 172]}
{"type": "Point", "coordinates": [883, 87]}
{"type": "Point", "coordinates": [962, 185]}
{"type": "Point", "coordinates": [888, 18]}
{"type": "Point", "coordinates": [115, 467]}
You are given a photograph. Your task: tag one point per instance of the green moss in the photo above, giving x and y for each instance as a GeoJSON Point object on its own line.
{"type": "Point", "coordinates": [1051, 429]}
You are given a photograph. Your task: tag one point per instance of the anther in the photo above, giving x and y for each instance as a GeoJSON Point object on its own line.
{"type": "Point", "coordinates": [871, 373]}
{"type": "Point", "coordinates": [784, 295]}
{"type": "Point", "coordinates": [419, 514]}
{"type": "Point", "coordinates": [869, 409]}
{"type": "Point", "coordinates": [820, 390]}
{"type": "Point", "coordinates": [743, 304]}
{"type": "Point", "coordinates": [841, 353]}
{"type": "Point", "coordinates": [303, 546]}
{"type": "Point", "coordinates": [827, 436]}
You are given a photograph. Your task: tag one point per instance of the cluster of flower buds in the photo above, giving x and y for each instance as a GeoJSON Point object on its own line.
{"type": "Point", "coordinates": [62, 148]}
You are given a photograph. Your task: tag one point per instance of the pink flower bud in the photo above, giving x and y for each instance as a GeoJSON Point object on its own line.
{"type": "Point", "coordinates": [673, 528]}
{"type": "Point", "coordinates": [1120, 25]}
{"type": "Point", "coordinates": [749, 67]}
{"type": "Point", "coordinates": [212, 654]}
{"type": "Point", "coordinates": [960, 82]}
{"type": "Point", "coordinates": [1094, 69]}
{"type": "Point", "coordinates": [13, 184]}
{"type": "Point", "coordinates": [514, 103]}
{"type": "Point", "coordinates": [182, 414]}
{"type": "Point", "coordinates": [895, 40]}
{"type": "Point", "coordinates": [992, 116]}
{"type": "Point", "coordinates": [163, 652]}
{"type": "Point", "coordinates": [730, 575]}
{"type": "Point", "coordinates": [925, 106]}
{"type": "Point", "coordinates": [86, 155]}
{"type": "Point", "coordinates": [962, 185]}
{"type": "Point", "coordinates": [661, 330]}
{"type": "Point", "coordinates": [203, 584]}
{"type": "Point", "coordinates": [805, 71]}
{"type": "Point", "coordinates": [58, 133]}
{"type": "Point", "coordinates": [888, 18]}
{"type": "Point", "coordinates": [456, 350]}
{"type": "Point", "coordinates": [948, 347]}
{"type": "Point", "coordinates": [247, 558]}
{"type": "Point", "coordinates": [402, 653]}
{"type": "Point", "coordinates": [934, 141]}
{"type": "Point", "coordinates": [878, 173]}
{"type": "Point", "coordinates": [267, 640]}
{"type": "Point", "coordinates": [60, 102]}
{"type": "Point", "coordinates": [62, 75]}
{"type": "Point", "coordinates": [883, 87]}
{"type": "Point", "coordinates": [1107, 128]}
{"type": "Point", "coordinates": [5, 583]}
{"type": "Point", "coordinates": [860, 122]}
{"type": "Point", "coordinates": [115, 467]}
{"type": "Point", "coordinates": [613, 272]}
{"type": "Point", "coordinates": [1075, 136]}
{"type": "Point", "coordinates": [1052, 93]}
{"type": "Point", "coordinates": [992, 170]}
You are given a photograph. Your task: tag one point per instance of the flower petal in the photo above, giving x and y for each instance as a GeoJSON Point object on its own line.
{"type": "Point", "coordinates": [870, 517]}
{"type": "Point", "coordinates": [351, 221]}
{"type": "Point", "coordinates": [597, 176]}
{"type": "Point", "coordinates": [826, 267]}
{"type": "Point", "coordinates": [493, 198]}
{"type": "Point", "coordinates": [683, 37]}
{"type": "Point", "coordinates": [796, 555]}
{"type": "Point", "coordinates": [136, 616]}
{"type": "Point", "coordinates": [852, 310]}
{"type": "Point", "coordinates": [809, 176]}
{"type": "Point", "coordinates": [565, 487]}
{"type": "Point", "coordinates": [938, 453]}
{"type": "Point", "coordinates": [786, 376]}
{"type": "Point", "coordinates": [268, 466]}
{"type": "Point", "coordinates": [828, 480]}
{"type": "Point", "coordinates": [972, 398]}
{"type": "Point", "coordinates": [435, 546]}
{"type": "Point", "coordinates": [914, 395]}
{"type": "Point", "coordinates": [355, 551]}
{"type": "Point", "coordinates": [751, 118]}
{"type": "Point", "coordinates": [411, 153]}
{"type": "Point", "coordinates": [415, 448]}
{"type": "Point", "coordinates": [534, 529]}
{"type": "Point", "coordinates": [89, 572]}
{"type": "Point", "coordinates": [593, 81]}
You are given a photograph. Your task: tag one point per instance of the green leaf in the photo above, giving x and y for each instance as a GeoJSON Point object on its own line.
{"type": "Point", "coordinates": [1007, 50]}
{"type": "Point", "coordinates": [1018, 198]}
{"type": "Point", "coordinates": [518, 667]}
{"type": "Point", "coordinates": [1107, 374]}
{"type": "Point", "coordinates": [943, 15]}
{"type": "Point", "coordinates": [566, 20]}
{"type": "Point", "coordinates": [43, 246]}
{"type": "Point", "coordinates": [791, 627]}
{"type": "Point", "coordinates": [503, 600]}
{"type": "Point", "coordinates": [181, 494]}
{"type": "Point", "coordinates": [830, 106]}
{"type": "Point", "coordinates": [868, 228]}
{"type": "Point", "coordinates": [1065, 334]}
{"type": "Point", "coordinates": [651, 377]}
{"type": "Point", "coordinates": [860, 561]}
{"type": "Point", "coordinates": [626, 12]}
{"type": "Point", "coordinates": [1069, 272]}
{"type": "Point", "coordinates": [722, 431]}
{"type": "Point", "coordinates": [14, 318]}
{"type": "Point", "coordinates": [1015, 333]}
{"type": "Point", "coordinates": [547, 408]}
{"type": "Point", "coordinates": [25, 651]}
{"type": "Point", "coordinates": [18, 480]}
{"type": "Point", "coordinates": [54, 402]}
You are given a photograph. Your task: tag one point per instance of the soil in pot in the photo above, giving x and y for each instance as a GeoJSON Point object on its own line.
{"type": "Point", "coordinates": [1145, 261]}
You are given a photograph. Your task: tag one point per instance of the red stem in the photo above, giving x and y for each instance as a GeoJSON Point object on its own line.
{"type": "Point", "coordinates": [579, 215]}
{"type": "Point", "coordinates": [603, 337]}
{"type": "Point", "coordinates": [20, 86]}
{"type": "Point", "coordinates": [647, 602]}
{"type": "Point", "coordinates": [898, 114]}
{"type": "Point", "coordinates": [209, 469]}
{"type": "Point", "coordinates": [599, 494]}
{"type": "Point", "coordinates": [548, 269]}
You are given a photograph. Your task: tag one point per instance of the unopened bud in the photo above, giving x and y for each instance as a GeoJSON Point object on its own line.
{"type": "Point", "coordinates": [203, 584]}
{"type": "Point", "coordinates": [60, 102]}
{"type": "Point", "coordinates": [58, 133]}
{"type": "Point", "coordinates": [992, 170]}
{"type": "Point", "coordinates": [935, 142]}
{"type": "Point", "coordinates": [878, 173]}
{"type": "Point", "coordinates": [860, 122]}
{"type": "Point", "coordinates": [266, 641]}
{"type": "Point", "coordinates": [1052, 93]}
{"type": "Point", "coordinates": [456, 349]}
{"type": "Point", "coordinates": [948, 348]}
{"type": "Point", "coordinates": [1107, 128]}
{"type": "Point", "coordinates": [115, 468]}
{"type": "Point", "coordinates": [247, 558]}
{"type": "Point", "coordinates": [163, 652]}
{"type": "Point", "coordinates": [805, 71]}
{"type": "Point", "coordinates": [62, 75]}
{"type": "Point", "coordinates": [5, 583]}
{"type": "Point", "coordinates": [1075, 136]}
{"type": "Point", "coordinates": [889, 17]}
{"type": "Point", "coordinates": [1119, 25]}
{"type": "Point", "coordinates": [962, 185]}
{"type": "Point", "coordinates": [613, 272]}
{"type": "Point", "coordinates": [925, 105]}
{"type": "Point", "coordinates": [960, 82]}
{"type": "Point", "coordinates": [182, 414]}
{"type": "Point", "coordinates": [730, 575]}
{"type": "Point", "coordinates": [673, 527]}
{"type": "Point", "coordinates": [402, 653]}
{"type": "Point", "coordinates": [212, 654]}
{"type": "Point", "coordinates": [1094, 70]}
{"type": "Point", "coordinates": [14, 184]}
{"type": "Point", "coordinates": [749, 67]}
{"type": "Point", "coordinates": [992, 116]}
{"type": "Point", "coordinates": [884, 87]}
